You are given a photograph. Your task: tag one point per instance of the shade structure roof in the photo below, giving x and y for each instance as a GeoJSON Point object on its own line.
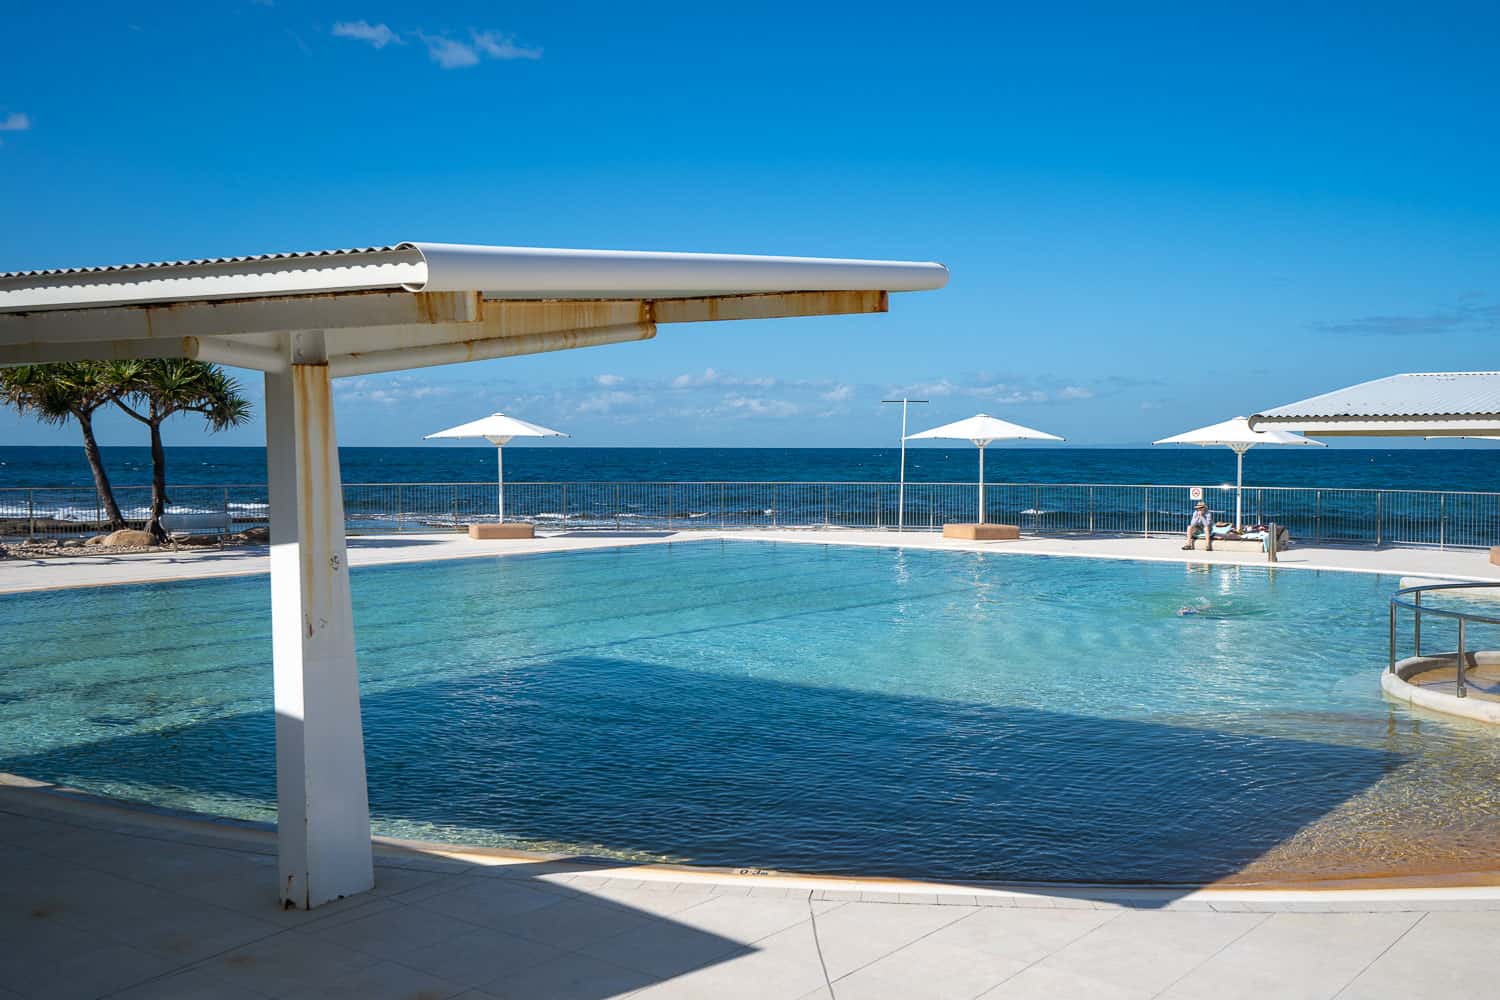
{"type": "Point", "coordinates": [1427, 404]}
{"type": "Point", "coordinates": [982, 429]}
{"type": "Point", "coordinates": [1236, 433]}
{"type": "Point", "coordinates": [409, 305]}
{"type": "Point", "coordinates": [496, 425]}
{"type": "Point", "coordinates": [497, 271]}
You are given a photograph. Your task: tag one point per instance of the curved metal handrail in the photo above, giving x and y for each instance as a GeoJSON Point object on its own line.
{"type": "Point", "coordinates": [1415, 606]}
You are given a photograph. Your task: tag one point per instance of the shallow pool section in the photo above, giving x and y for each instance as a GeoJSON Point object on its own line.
{"type": "Point", "coordinates": [796, 706]}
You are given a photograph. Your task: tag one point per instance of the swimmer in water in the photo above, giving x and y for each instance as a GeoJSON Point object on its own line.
{"type": "Point", "coordinates": [1185, 610]}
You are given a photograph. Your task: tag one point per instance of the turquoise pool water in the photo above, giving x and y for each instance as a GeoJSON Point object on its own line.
{"type": "Point", "coordinates": [796, 706]}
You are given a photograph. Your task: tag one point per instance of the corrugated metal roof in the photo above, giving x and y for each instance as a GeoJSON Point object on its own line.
{"type": "Point", "coordinates": [1456, 395]}
{"type": "Point", "coordinates": [494, 271]}
{"type": "Point", "coordinates": [248, 258]}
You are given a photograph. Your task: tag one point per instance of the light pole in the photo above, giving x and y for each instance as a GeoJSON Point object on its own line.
{"type": "Point", "coordinates": [901, 490]}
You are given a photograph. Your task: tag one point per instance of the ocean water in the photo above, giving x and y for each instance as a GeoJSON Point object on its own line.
{"type": "Point", "coordinates": [801, 707]}
{"type": "Point", "coordinates": [1474, 468]}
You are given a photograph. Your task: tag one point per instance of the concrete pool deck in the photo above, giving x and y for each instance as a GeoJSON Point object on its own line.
{"type": "Point", "coordinates": [97, 900]}
{"type": "Point", "coordinates": [19, 575]}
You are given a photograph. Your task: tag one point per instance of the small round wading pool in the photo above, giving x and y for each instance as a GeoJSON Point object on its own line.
{"type": "Point", "coordinates": [799, 707]}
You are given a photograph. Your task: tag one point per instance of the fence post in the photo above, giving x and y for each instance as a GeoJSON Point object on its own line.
{"type": "Point", "coordinates": [1442, 520]}
{"type": "Point", "coordinates": [617, 506]}
{"type": "Point", "coordinates": [826, 522]}
{"type": "Point", "coordinates": [1091, 510]}
{"type": "Point", "coordinates": [455, 508]}
{"type": "Point", "coordinates": [775, 504]}
{"type": "Point", "coordinates": [1146, 512]}
{"type": "Point", "coordinates": [31, 515]}
{"type": "Point", "coordinates": [565, 506]}
{"type": "Point", "coordinates": [1463, 688]}
{"type": "Point", "coordinates": [1416, 629]}
{"type": "Point", "coordinates": [1393, 635]}
{"type": "Point", "coordinates": [1378, 498]}
{"type": "Point", "coordinates": [1318, 514]}
{"type": "Point", "coordinates": [400, 522]}
{"type": "Point", "coordinates": [227, 523]}
{"type": "Point", "coordinates": [723, 514]}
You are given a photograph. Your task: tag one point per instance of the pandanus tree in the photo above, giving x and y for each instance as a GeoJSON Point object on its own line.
{"type": "Point", "coordinates": [57, 393]}
{"type": "Point", "coordinates": [152, 391]}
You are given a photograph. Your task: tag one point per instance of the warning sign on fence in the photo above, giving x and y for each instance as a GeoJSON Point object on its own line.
{"type": "Point", "coordinates": [1195, 493]}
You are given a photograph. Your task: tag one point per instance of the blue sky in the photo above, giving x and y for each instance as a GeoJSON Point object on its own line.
{"type": "Point", "coordinates": [1153, 221]}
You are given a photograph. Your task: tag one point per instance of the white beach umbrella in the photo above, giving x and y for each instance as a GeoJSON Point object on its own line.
{"type": "Point", "coordinates": [497, 429]}
{"type": "Point", "coordinates": [982, 429]}
{"type": "Point", "coordinates": [1236, 435]}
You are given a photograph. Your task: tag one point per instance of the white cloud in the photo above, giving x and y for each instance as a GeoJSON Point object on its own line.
{"type": "Point", "coordinates": [606, 402]}
{"type": "Point", "coordinates": [757, 406]}
{"type": "Point", "coordinates": [712, 376]}
{"type": "Point", "coordinates": [839, 394]}
{"type": "Point", "coordinates": [690, 381]}
{"type": "Point", "coordinates": [609, 380]}
{"type": "Point", "coordinates": [389, 390]}
{"type": "Point", "coordinates": [16, 121]}
{"type": "Point", "coordinates": [497, 46]}
{"type": "Point", "coordinates": [1075, 392]}
{"type": "Point", "coordinates": [449, 53]}
{"type": "Point", "coordinates": [378, 35]}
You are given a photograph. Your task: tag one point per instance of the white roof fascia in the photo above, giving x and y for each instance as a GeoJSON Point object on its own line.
{"type": "Point", "coordinates": [1389, 427]}
{"type": "Point", "coordinates": [497, 272]}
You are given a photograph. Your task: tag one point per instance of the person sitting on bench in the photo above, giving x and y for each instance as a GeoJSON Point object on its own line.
{"type": "Point", "coordinates": [1201, 519]}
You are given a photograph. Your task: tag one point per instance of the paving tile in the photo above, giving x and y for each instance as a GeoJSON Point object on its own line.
{"type": "Point", "coordinates": [965, 958]}
{"type": "Point", "coordinates": [394, 931]}
{"type": "Point", "coordinates": [187, 984]}
{"type": "Point", "coordinates": [168, 924]}
{"type": "Point", "coordinates": [480, 956]}
{"type": "Point", "coordinates": [857, 934]}
{"type": "Point", "coordinates": [575, 923]}
{"type": "Point", "coordinates": [648, 900]}
{"type": "Point", "coordinates": [92, 970]}
{"type": "Point", "coordinates": [744, 920]}
{"type": "Point", "coordinates": [1294, 955]}
{"type": "Point", "coordinates": [390, 880]}
{"type": "Point", "coordinates": [1040, 983]}
{"type": "Point", "coordinates": [1443, 955]}
{"type": "Point", "coordinates": [491, 902]}
{"type": "Point", "coordinates": [950, 962]}
{"type": "Point", "coordinates": [665, 949]}
{"type": "Point", "coordinates": [287, 962]}
{"type": "Point", "coordinates": [1148, 951]}
{"type": "Point", "coordinates": [784, 965]}
{"type": "Point", "coordinates": [383, 981]}
{"type": "Point", "coordinates": [568, 977]}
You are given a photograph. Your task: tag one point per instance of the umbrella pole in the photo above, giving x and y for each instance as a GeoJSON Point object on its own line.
{"type": "Point", "coordinates": [981, 484]}
{"type": "Point", "coordinates": [1239, 488]}
{"type": "Point", "coordinates": [500, 483]}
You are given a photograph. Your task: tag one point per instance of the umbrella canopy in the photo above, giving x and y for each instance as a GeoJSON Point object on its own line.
{"type": "Point", "coordinates": [497, 429]}
{"type": "Point", "coordinates": [1236, 435]}
{"type": "Point", "coordinates": [981, 429]}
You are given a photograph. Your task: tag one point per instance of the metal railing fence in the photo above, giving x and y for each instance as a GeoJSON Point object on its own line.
{"type": "Point", "coordinates": [1410, 599]}
{"type": "Point", "coordinates": [1312, 515]}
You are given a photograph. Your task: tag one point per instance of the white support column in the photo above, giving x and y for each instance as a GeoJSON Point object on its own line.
{"type": "Point", "coordinates": [323, 812]}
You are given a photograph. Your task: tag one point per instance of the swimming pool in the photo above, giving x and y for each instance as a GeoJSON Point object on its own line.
{"type": "Point", "coordinates": [805, 707]}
